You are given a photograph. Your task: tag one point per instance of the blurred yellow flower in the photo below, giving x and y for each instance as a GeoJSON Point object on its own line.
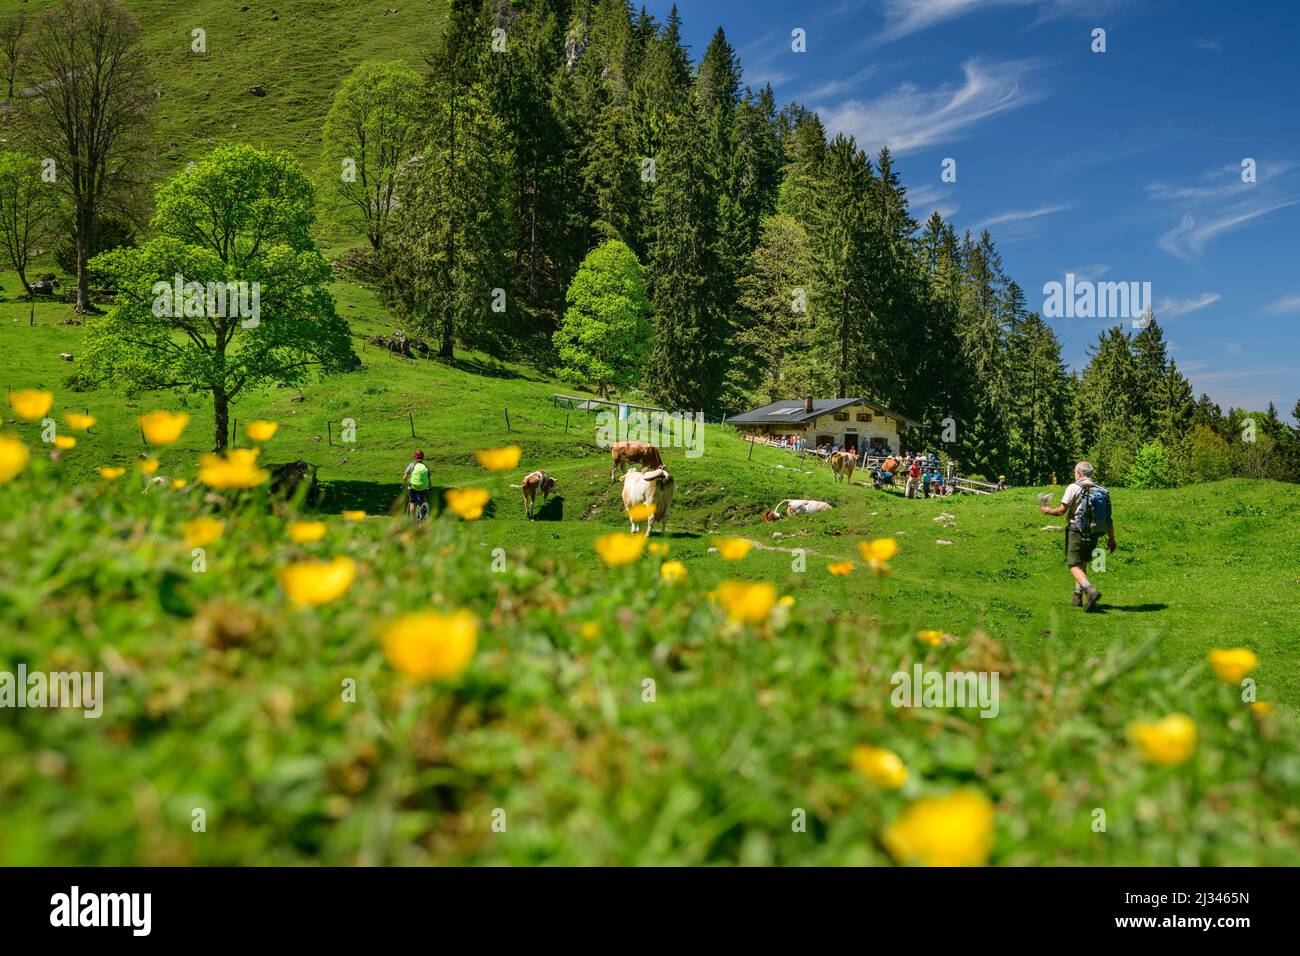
{"type": "Point", "coordinates": [236, 469]}
{"type": "Point", "coordinates": [431, 646]}
{"type": "Point", "coordinates": [466, 502]}
{"type": "Point", "coordinates": [618, 549]}
{"type": "Point", "coordinates": [64, 442]}
{"type": "Point", "coordinates": [31, 403]}
{"type": "Point", "coordinates": [201, 532]}
{"type": "Point", "coordinates": [881, 767]}
{"type": "Point", "coordinates": [745, 602]}
{"type": "Point", "coordinates": [148, 466]}
{"type": "Point", "coordinates": [877, 553]}
{"type": "Point", "coordinates": [638, 513]}
{"type": "Point", "coordinates": [305, 532]}
{"type": "Point", "coordinates": [13, 457]}
{"type": "Point", "coordinates": [672, 571]}
{"type": "Point", "coordinates": [1263, 708]}
{"type": "Point", "coordinates": [261, 430]}
{"type": "Point", "coordinates": [733, 549]}
{"type": "Point", "coordinates": [163, 427]}
{"type": "Point", "coordinates": [840, 568]}
{"type": "Point", "coordinates": [787, 600]}
{"type": "Point", "coordinates": [499, 459]}
{"type": "Point", "coordinates": [312, 583]}
{"type": "Point", "coordinates": [933, 638]}
{"type": "Point", "coordinates": [77, 421]}
{"type": "Point", "coordinates": [590, 630]}
{"type": "Point", "coordinates": [953, 830]}
{"type": "Point", "coordinates": [1232, 665]}
{"type": "Point", "coordinates": [353, 515]}
{"type": "Point", "coordinates": [179, 483]}
{"type": "Point", "coordinates": [658, 548]}
{"type": "Point", "coordinates": [1169, 741]}
{"type": "Point", "coordinates": [112, 472]}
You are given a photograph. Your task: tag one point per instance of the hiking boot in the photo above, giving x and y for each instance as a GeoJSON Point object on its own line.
{"type": "Point", "coordinates": [1092, 596]}
{"type": "Point", "coordinates": [1077, 599]}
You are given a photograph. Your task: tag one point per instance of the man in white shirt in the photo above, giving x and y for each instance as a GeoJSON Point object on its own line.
{"type": "Point", "coordinates": [1078, 546]}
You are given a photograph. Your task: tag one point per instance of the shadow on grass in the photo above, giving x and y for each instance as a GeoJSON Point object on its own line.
{"type": "Point", "coordinates": [1137, 608]}
{"type": "Point", "coordinates": [550, 510]}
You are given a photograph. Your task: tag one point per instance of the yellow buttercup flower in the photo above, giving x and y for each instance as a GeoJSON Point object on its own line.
{"type": "Point", "coordinates": [64, 442]}
{"type": "Point", "coordinates": [466, 502]}
{"type": "Point", "coordinates": [953, 830]}
{"type": "Point", "coordinates": [638, 513]}
{"type": "Point", "coordinates": [1169, 741]}
{"type": "Point", "coordinates": [882, 767]}
{"type": "Point", "coordinates": [112, 473]}
{"type": "Point", "coordinates": [745, 602]}
{"type": "Point", "coordinates": [353, 515]}
{"type": "Point", "coordinates": [31, 403]}
{"type": "Point", "coordinates": [312, 583]}
{"type": "Point", "coordinates": [201, 532]}
{"type": "Point", "coordinates": [672, 571]}
{"type": "Point", "coordinates": [877, 553]}
{"type": "Point", "coordinates": [499, 459]}
{"type": "Point", "coordinates": [619, 549]}
{"type": "Point", "coordinates": [657, 548]}
{"type": "Point", "coordinates": [163, 427]}
{"type": "Point", "coordinates": [179, 483]}
{"type": "Point", "coordinates": [77, 421]}
{"type": "Point", "coordinates": [933, 638]}
{"type": "Point", "coordinates": [236, 469]}
{"type": "Point", "coordinates": [13, 457]}
{"type": "Point", "coordinates": [260, 430]}
{"type": "Point", "coordinates": [1263, 708]}
{"type": "Point", "coordinates": [787, 600]}
{"type": "Point", "coordinates": [733, 549]}
{"type": "Point", "coordinates": [432, 646]}
{"type": "Point", "coordinates": [305, 532]}
{"type": "Point", "coordinates": [1232, 665]}
{"type": "Point", "coordinates": [840, 568]}
{"type": "Point", "coordinates": [148, 466]}
{"type": "Point", "coordinates": [590, 630]}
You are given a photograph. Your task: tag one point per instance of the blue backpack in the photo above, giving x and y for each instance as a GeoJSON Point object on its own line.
{"type": "Point", "coordinates": [1092, 516]}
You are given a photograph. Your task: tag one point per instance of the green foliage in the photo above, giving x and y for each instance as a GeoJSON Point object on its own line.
{"type": "Point", "coordinates": [233, 232]}
{"type": "Point", "coordinates": [111, 232]}
{"type": "Point", "coordinates": [370, 134]}
{"type": "Point", "coordinates": [28, 211]}
{"type": "Point", "coordinates": [1152, 468]}
{"type": "Point", "coordinates": [606, 333]}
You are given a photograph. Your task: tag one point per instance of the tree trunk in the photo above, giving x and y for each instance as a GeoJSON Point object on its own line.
{"type": "Point", "coordinates": [84, 227]}
{"type": "Point", "coordinates": [22, 277]}
{"type": "Point", "coordinates": [221, 407]}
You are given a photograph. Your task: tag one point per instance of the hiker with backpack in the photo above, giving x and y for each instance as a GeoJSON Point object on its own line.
{"type": "Point", "coordinates": [417, 480]}
{"type": "Point", "coordinates": [1088, 505]}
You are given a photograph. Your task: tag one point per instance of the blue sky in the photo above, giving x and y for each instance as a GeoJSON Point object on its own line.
{"type": "Point", "coordinates": [1117, 166]}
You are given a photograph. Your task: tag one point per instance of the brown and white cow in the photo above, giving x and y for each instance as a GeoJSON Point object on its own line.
{"type": "Point", "coordinates": [533, 484]}
{"type": "Point", "coordinates": [796, 506]}
{"type": "Point", "coordinates": [645, 490]}
{"type": "Point", "coordinates": [842, 463]}
{"type": "Point", "coordinates": [626, 453]}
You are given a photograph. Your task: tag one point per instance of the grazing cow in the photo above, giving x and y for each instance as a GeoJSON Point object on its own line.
{"type": "Point", "coordinates": [626, 453]}
{"type": "Point", "coordinates": [648, 489]}
{"type": "Point", "coordinates": [796, 506]}
{"type": "Point", "coordinates": [842, 463]}
{"type": "Point", "coordinates": [538, 481]}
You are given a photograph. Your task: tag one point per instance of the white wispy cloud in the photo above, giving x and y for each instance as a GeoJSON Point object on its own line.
{"type": "Point", "coordinates": [1213, 45]}
{"type": "Point", "coordinates": [1170, 308]}
{"type": "Point", "coordinates": [1219, 201]}
{"type": "Point", "coordinates": [908, 117]}
{"type": "Point", "coordinates": [1091, 273]}
{"type": "Point", "coordinates": [1284, 305]}
{"type": "Point", "coordinates": [904, 17]}
{"type": "Point", "coordinates": [1020, 215]}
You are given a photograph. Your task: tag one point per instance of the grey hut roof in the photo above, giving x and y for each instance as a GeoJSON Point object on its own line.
{"type": "Point", "coordinates": [791, 410]}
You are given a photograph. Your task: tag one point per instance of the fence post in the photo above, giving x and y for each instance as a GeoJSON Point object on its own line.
{"type": "Point", "coordinates": [566, 423]}
{"type": "Point", "coordinates": [751, 448]}
{"type": "Point", "coordinates": [507, 419]}
{"type": "Point", "coordinates": [410, 415]}
{"type": "Point", "coordinates": [329, 430]}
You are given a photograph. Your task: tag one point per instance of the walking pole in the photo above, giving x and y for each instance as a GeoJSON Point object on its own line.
{"type": "Point", "coordinates": [410, 415]}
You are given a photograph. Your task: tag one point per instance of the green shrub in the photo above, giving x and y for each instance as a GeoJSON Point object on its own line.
{"type": "Point", "coordinates": [1152, 468]}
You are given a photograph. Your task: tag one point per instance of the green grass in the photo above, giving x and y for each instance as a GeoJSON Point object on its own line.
{"type": "Point", "coordinates": [222, 696]}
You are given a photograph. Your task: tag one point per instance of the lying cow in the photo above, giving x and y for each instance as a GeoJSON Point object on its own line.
{"type": "Point", "coordinates": [626, 453]}
{"type": "Point", "coordinates": [533, 484]}
{"type": "Point", "coordinates": [842, 463]}
{"type": "Point", "coordinates": [796, 506]}
{"type": "Point", "coordinates": [646, 489]}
